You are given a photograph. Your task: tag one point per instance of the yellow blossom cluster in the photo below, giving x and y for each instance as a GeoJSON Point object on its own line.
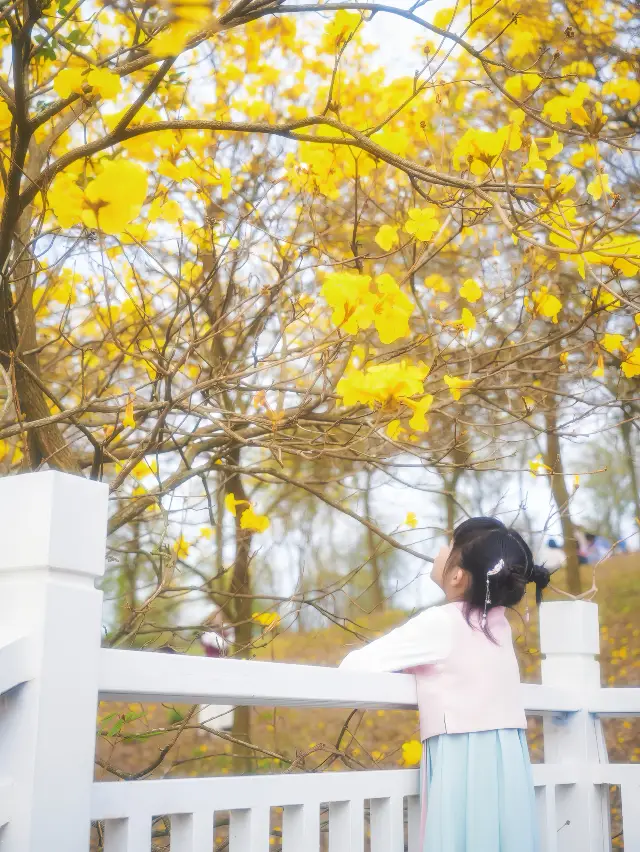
{"type": "Point", "coordinates": [356, 306]}
{"type": "Point", "coordinates": [109, 202]}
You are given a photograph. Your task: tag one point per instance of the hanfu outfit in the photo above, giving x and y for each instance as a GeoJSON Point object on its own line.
{"type": "Point", "coordinates": [477, 790]}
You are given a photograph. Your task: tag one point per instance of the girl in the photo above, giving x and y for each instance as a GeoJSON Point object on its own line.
{"type": "Point", "coordinates": [476, 784]}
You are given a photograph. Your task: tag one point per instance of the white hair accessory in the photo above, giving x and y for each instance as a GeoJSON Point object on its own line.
{"type": "Point", "coordinates": [497, 568]}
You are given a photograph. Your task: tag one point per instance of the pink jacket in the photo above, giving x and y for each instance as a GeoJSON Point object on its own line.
{"type": "Point", "coordinates": [464, 681]}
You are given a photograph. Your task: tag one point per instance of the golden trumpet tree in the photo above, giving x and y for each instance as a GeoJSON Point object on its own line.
{"type": "Point", "coordinates": [239, 256]}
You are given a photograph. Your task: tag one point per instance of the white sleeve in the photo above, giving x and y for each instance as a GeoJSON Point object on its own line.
{"type": "Point", "coordinates": [422, 640]}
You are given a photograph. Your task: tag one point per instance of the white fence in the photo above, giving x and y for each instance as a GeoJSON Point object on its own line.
{"type": "Point", "coordinates": [53, 672]}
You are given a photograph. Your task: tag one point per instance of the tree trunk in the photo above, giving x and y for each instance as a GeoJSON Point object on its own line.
{"type": "Point", "coordinates": [625, 428]}
{"type": "Point", "coordinates": [553, 459]}
{"type": "Point", "coordinates": [451, 486]}
{"type": "Point", "coordinates": [241, 609]}
{"type": "Point", "coordinates": [45, 445]}
{"type": "Point", "coordinates": [376, 592]}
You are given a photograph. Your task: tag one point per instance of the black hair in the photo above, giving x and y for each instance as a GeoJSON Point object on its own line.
{"type": "Point", "coordinates": [478, 546]}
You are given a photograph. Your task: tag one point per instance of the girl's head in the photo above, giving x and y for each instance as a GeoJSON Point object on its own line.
{"type": "Point", "coordinates": [477, 547]}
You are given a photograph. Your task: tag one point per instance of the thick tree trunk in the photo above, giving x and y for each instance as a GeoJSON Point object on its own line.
{"type": "Point", "coordinates": [18, 342]}
{"type": "Point", "coordinates": [241, 609]}
{"type": "Point", "coordinates": [553, 459]}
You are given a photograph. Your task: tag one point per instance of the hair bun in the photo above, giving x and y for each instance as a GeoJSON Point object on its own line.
{"type": "Point", "coordinates": [541, 577]}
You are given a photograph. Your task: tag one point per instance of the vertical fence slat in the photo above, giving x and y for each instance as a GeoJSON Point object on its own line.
{"type": "Point", "coordinates": [132, 834]}
{"type": "Point", "coordinates": [413, 823]}
{"type": "Point", "coordinates": [301, 828]}
{"type": "Point", "coordinates": [387, 824]}
{"type": "Point", "coordinates": [192, 832]}
{"type": "Point", "coordinates": [549, 824]}
{"type": "Point", "coordinates": [249, 829]}
{"type": "Point", "coordinates": [631, 816]}
{"type": "Point", "coordinates": [346, 826]}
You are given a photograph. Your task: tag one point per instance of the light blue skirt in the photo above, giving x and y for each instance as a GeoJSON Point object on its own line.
{"type": "Point", "coordinates": [477, 793]}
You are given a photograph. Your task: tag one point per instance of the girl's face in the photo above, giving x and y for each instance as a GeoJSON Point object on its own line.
{"type": "Point", "coordinates": [454, 582]}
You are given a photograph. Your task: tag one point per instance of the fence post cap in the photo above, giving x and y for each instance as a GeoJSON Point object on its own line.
{"type": "Point", "coordinates": [569, 627]}
{"type": "Point", "coordinates": [53, 520]}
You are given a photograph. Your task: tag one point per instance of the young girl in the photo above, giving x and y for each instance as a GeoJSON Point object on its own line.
{"type": "Point", "coordinates": [476, 785]}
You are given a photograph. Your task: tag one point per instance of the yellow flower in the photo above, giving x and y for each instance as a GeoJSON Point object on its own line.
{"type": "Point", "coordinates": [420, 408]}
{"type": "Point", "coordinates": [338, 30]}
{"type": "Point", "coordinates": [191, 10]}
{"type": "Point", "coordinates": [115, 197]}
{"type": "Point", "coordinates": [250, 521]}
{"type": "Point", "coordinates": [422, 224]}
{"type": "Point", "coordinates": [352, 301]}
{"type": "Point", "coordinates": [173, 40]}
{"type": "Point", "coordinates": [612, 342]}
{"type": "Point", "coordinates": [467, 319]}
{"type": "Point", "coordinates": [411, 520]}
{"type": "Point", "coordinates": [267, 619]}
{"type": "Point", "coordinates": [465, 322]}
{"type": "Point", "coordinates": [104, 82]}
{"type": "Point", "coordinates": [479, 150]}
{"type": "Point", "coordinates": [564, 357]}
{"type": "Point", "coordinates": [470, 290]}
{"type": "Point", "coordinates": [437, 284]}
{"type": "Point", "coordinates": [394, 430]}
{"type": "Point", "coordinates": [392, 310]}
{"type": "Point", "coordinates": [66, 200]}
{"type": "Point", "coordinates": [382, 383]}
{"type": "Point", "coordinates": [535, 161]}
{"type": "Point", "coordinates": [544, 303]}
{"type": "Point", "coordinates": [456, 385]}
{"type": "Point", "coordinates": [231, 503]}
{"type": "Point", "coordinates": [637, 318]}
{"type": "Point", "coordinates": [599, 185]}
{"type": "Point", "coordinates": [599, 370]}
{"type": "Point", "coordinates": [557, 108]}
{"type": "Point", "coordinates": [566, 184]}
{"type": "Point", "coordinates": [553, 143]}
{"type": "Point", "coordinates": [129, 418]}
{"type": "Point", "coordinates": [387, 237]}
{"type": "Point", "coordinates": [181, 548]}
{"type": "Point", "coordinates": [605, 300]}
{"type": "Point", "coordinates": [144, 468]}
{"type": "Point", "coordinates": [538, 467]}
{"type": "Point", "coordinates": [412, 752]}
{"type": "Point", "coordinates": [68, 81]}
{"type": "Point", "coordinates": [631, 366]}
{"type": "Point", "coordinates": [206, 532]}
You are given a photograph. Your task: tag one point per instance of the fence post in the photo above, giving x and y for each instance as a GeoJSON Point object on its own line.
{"type": "Point", "coordinates": [570, 641]}
{"type": "Point", "coordinates": [52, 549]}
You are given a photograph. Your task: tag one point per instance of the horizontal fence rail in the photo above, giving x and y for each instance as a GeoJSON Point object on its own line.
{"type": "Point", "coordinates": [183, 679]}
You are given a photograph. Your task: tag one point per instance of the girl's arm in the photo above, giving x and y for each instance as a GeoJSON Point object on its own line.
{"type": "Point", "coordinates": [422, 640]}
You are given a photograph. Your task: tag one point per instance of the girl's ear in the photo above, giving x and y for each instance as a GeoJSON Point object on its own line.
{"type": "Point", "coordinates": [459, 578]}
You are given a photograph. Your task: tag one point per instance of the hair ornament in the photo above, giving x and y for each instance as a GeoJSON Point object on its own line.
{"type": "Point", "coordinates": [497, 568]}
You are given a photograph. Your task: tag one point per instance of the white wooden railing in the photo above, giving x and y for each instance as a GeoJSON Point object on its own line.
{"type": "Point", "coordinates": [53, 672]}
